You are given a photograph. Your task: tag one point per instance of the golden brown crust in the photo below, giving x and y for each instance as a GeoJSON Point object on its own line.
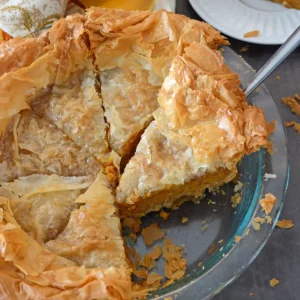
{"type": "Point", "coordinates": [203, 124]}
{"type": "Point", "coordinates": [134, 51]}
{"type": "Point", "coordinates": [29, 270]}
{"type": "Point", "coordinates": [21, 52]}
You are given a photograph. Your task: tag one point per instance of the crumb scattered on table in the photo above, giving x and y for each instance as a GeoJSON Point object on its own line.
{"type": "Point", "coordinates": [278, 77]}
{"type": "Point", "coordinates": [268, 202]}
{"type": "Point", "coordinates": [245, 48]}
{"type": "Point", "coordinates": [293, 123]}
{"type": "Point", "coordinates": [292, 103]}
{"type": "Point", "coordinates": [268, 176]}
{"type": "Point", "coordinates": [274, 282]}
{"type": "Point", "coordinates": [253, 33]}
{"type": "Point", "coordinates": [184, 220]}
{"type": "Point", "coordinates": [284, 224]}
{"type": "Point", "coordinates": [252, 294]}
{"type": "Point", "coordinates": [220, 241]}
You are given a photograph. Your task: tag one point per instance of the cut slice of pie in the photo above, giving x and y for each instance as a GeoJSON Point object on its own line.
{"type": "Point", "coordinates": [133, 52]}
{"type": "Point", "coordinates": [31, 145]}
{"type": "Point", "coordinates": [73, 103]}
{"type": "Point", "coordinates": [85, 261]}
{"type": "Point", "coordinates": [202, 129]}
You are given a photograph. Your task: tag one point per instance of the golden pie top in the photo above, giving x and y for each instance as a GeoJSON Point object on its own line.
{"type": "Point", "coordinates": [203, 123]}
{"type": "Point", "coordinates": [84, 89]}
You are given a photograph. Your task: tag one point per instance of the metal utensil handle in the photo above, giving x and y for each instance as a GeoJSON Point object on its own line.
{"type": "Point", "coordinates": [281, 54]}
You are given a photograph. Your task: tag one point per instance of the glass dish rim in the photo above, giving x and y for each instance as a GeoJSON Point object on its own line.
{"type": "Point", "coordinates": [179, 287]}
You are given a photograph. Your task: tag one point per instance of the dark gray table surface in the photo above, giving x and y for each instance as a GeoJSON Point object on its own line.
{"type": "Point", "coordinates": [280, 258]}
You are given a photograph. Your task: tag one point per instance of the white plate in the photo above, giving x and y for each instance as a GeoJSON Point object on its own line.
{"type": "Point", "coordinates": [236, 17]}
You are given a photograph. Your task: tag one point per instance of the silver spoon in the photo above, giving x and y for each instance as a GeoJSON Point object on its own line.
{"type": "Point", "coordinates": [280, 55]}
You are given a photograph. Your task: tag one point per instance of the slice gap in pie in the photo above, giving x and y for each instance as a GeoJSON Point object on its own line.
{"type": "Point", "coordinates": [86, 260]}
{"type": "Point", "coordinates": [201, 131]}
{"type": "Point", "coordinates": [133, 52]}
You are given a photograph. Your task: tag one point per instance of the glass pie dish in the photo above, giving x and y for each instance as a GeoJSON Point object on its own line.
{"type": "Point", "coordinates": [214, 223]}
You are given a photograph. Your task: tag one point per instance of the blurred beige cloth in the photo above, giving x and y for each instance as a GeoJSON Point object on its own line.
{"type": "Point", "coordinates": [20, 17]}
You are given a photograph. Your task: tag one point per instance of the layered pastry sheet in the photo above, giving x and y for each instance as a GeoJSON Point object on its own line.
{"type": "Point", "coordinates": [147, 90]}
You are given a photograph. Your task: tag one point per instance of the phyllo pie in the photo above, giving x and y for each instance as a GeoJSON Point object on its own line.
{"type": "Point", "coordinates": [202, 128]}
{"type": "Point", "coordinates": [148, 90]}
{"type": "Point", "coordinates": [133, 52]}
{"type": "Point", "coordinates": [60, 243]}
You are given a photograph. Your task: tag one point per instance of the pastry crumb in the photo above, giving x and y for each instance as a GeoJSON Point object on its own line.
{"type": "Point", "coordinates": [184, 220]}
{"type": "Point", "coordinates": [278, 77]}
{"type": "Point", "coordinates": [204, 227]}
{"type": "Point", "coordinates": [274, 282]}
{"type": "Point", "coordinates": [255, 225]}
{"type": "Point", "coordinates": [245, 48]}
{"type": "Point", "coordinates": [253, 33]}
{"type": "Point", "coordinates": [267, 203]}
{"type": "Point", "coordinates": [271, 127]}
{"type": "Point", "coordinates": [200, 264]}
{"type": "Point", "coordinates": [211, 202]}
{"type": "Point", "coordinates": [292, 103]}
{"type": "Point", "coordinates": [247, 231]}
{"type": "Point", "coordinates": [141, 273]}
{"type": "Point", "coordinates": [152, 233]}
{"type": "Point", "coordinates": [174, 264]}
{"type": "Point", "coordinates": [293, 123]}
{"type": "Point", "coordinates": [235, 200]}
{"type": "Point", "coordinates": [237, 238]}
{"type": "Point", "coordinates": [238, 186]}
{"type": "Point", "coordinates": [268, 176]}
{"type": "Point", "coordinates": [220, 241]}
{"type": "Point", "coordinates": [211, 249]}
{"type": "Point", "coordinates": [259, 220]}
{"type": "Point", "coordinates": [251, 294]}
{"type": "Point", "coordinates": [285, 224]}
{"type": "Point", "coordinates": [153, 280]}
{"type": "Point", "coordinates": [164, 215]}
{"type": "Point", "coordinates": [269, 219]}
{"type": "Point", "coordinates": [168, 298]}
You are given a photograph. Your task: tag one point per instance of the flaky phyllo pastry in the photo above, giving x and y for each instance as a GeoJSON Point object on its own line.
{"type": "Point", "coordinates": [139, 102]}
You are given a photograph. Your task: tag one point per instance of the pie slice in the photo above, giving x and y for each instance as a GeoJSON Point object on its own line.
{"type": "Point", "coordinates": [31, 145]}
{"type": "Point", "coordinates": [90, 259]}
{"type": "Point", "coordinates": [202, 129]}
{"type": "Point", "coordinates": [73, 103]}
{"type": "Point", "coordinates": [133, 52]}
